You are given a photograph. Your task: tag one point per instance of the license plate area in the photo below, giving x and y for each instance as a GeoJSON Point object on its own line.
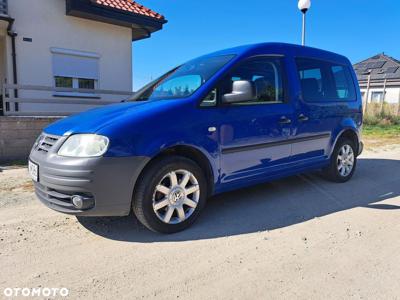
{"type": "Point", "coordinates": [33, 171]}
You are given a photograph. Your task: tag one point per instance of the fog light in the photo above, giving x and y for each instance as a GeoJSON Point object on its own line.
{"type": "Point", "coordinates": [77, 201]}
{"type": "Point", "coordinates": [82, 202]}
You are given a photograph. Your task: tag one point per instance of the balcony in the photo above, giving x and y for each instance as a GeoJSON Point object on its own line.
{"type": "Point", "coordinates": [3, 7]}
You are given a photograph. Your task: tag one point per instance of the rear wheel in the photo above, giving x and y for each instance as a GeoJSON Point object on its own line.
{"type": "Point", "coordinates": [170, 195]}
{"type": "Point", "coordinates": [343, 161]}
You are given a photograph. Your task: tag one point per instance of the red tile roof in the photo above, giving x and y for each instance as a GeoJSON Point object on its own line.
{"type": "Point", "coordinates": [130, 6]}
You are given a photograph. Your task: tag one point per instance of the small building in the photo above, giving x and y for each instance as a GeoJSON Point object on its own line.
{"type": "Point", "coordinates": [379, 79]}
{"type": "Point", "coordinates": [59, 57]}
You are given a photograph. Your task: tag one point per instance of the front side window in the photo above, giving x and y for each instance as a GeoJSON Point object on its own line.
{"type": "Point", "coordinates": [211, 99]}
{"type": "Point", "coordinates": [265, 74]}
{"type": "Point", "coordinates": [184, 80]}
{"type": "Point", "coordinates": [325, 81]}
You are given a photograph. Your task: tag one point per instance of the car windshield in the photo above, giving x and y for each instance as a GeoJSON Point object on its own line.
{"type": "Point", "coordinates": [182, 81]}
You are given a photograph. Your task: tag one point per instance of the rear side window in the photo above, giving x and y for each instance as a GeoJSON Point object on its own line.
{"type": "Point", "coordinates": [325, 81]}
{"type": "Point", "coordinates": [343, 81]}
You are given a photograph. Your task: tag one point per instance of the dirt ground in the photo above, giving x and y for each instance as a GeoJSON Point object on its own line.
{"type": "Point", "coordinates": [297, 238]}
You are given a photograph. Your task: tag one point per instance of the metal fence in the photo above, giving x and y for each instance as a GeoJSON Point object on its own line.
{"type": "Point", "coordinates": [39, 95]}
{"type": "Point", "coordinates": [4, 7]}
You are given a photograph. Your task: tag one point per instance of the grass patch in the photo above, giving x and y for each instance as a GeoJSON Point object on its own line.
{"type": "Point", "coordinates": [376, 136]}
{"type": "Point", "coordinates": [385, 131]}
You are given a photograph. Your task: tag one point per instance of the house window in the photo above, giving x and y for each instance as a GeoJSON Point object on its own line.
{"type": "Point", "coordinates": [86, 83]}
{"type": "Point", "coordinates": [376, 97]}
{"type": "Point", "coordinates": [63, 82]}
{"type": "Point", "coordinates": [76, 83]}
{"type": "Point", "coordinates": [75, 69]}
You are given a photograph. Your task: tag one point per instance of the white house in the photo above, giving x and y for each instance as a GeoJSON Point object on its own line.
{"type": "Point", "coordinates": [379, 79]}
{"type": "Point", "coordinates": [64, 56]}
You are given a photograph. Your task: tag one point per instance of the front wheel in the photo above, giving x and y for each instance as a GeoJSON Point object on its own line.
{"type": "Point", "coordinates": [170, 195]}
{"type": "Point", "coordinates": [343, 162]}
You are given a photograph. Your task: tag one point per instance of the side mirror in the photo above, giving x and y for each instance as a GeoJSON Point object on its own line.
{"type": "Point", "coordinates": [242, 91]}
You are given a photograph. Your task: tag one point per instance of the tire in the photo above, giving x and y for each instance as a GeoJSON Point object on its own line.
{"type": "Point", "coordinates": [156, 195]}
{"type": "Point", "coordinates": [338, 169]}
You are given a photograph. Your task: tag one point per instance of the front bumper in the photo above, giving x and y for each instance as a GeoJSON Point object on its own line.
{"type": "Point", "coordinates": [107, 181]}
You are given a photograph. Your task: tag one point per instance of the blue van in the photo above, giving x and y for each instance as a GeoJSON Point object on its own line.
{"type": "Point", "coordinates": [221, 122]}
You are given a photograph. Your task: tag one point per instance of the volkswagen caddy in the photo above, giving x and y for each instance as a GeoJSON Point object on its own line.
{"type": "Point", "coordinates": [220, 122]}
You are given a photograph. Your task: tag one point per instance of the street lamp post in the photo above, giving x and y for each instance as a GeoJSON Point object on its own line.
{"type": "Point", "coordinates": [304, 6]}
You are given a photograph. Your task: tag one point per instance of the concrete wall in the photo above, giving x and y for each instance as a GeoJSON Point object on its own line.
{"type": "Point", "coordinates": [17, 146]}
{"type": "Point", "coordinates": [46, 23]}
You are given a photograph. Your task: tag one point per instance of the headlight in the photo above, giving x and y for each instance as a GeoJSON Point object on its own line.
{"type": "Point", "coordinates": [84, 145]}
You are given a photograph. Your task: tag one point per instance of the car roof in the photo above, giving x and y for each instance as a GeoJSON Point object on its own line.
{"type": "Point", "coordinates": [281, 48]}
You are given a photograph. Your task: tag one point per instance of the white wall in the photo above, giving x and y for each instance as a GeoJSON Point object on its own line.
{"type": "Point", "coordinates": [2, 60]}
{"type": "Point", "coordinates": [46, 22]}
{"type": "Point", "coordinates": [392, 94]}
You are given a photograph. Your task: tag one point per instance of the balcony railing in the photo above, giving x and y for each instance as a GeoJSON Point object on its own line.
{"type": "Point", "coordinates": [4, 7]}
{"type": "Point", "coordinates": [63, 101]}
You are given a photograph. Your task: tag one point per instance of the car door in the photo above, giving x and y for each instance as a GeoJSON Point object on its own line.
{"type": "Point", "coordinates": [316, 115]}
{"type": "Point", "coordinates": [253, 135]}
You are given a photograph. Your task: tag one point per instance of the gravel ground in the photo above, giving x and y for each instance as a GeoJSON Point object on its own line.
{"type": "Point", "coordinates": [300, 237]}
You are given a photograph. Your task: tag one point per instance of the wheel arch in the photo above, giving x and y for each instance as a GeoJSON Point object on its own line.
{"type": "Point", "coordinates": [191, 153]}
{"type": "Point", "coordinates": [349, 133]}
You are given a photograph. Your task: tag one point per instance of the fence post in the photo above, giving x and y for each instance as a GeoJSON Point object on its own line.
{"type": "Point", "coordinates": [3, 98]}
{"type": "Point", "coordinates": [398, 106]}
{"type": "Point", "coordinates": [367, 94]}
{"type": "Point", "coordinates": [383, 96]}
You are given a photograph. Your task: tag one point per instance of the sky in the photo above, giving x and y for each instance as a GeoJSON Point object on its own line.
{"type": "Point", "coordinates": [357, 29]}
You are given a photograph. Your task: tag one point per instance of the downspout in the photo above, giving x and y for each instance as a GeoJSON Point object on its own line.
{"type": "Point", "coordinates": [13, 35]}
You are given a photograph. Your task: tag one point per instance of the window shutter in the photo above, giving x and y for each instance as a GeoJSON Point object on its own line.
{"type": "Point", "coordinates": [75, 64]}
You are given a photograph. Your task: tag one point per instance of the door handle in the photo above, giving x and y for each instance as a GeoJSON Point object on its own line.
{"type": "Point", "coordinates": [303, 118]}
{"type": "Point", "coordinates": [285, 120]}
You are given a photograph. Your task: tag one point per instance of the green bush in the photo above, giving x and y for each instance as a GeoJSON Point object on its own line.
{"type": "Point", "coordinates": [381, 120]}
{"type": "Point", "coordinates": [371, 120]}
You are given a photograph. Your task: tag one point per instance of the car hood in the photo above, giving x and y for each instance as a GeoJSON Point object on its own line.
{"type": "Point", "coordinates": [94, 120]}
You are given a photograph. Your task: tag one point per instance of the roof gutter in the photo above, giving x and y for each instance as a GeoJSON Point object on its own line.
{"type": "Point", "coordinates": [90, 10]}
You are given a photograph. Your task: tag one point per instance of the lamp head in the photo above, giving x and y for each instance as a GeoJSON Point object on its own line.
{"type": "Point", "coordinates": [304, 5]}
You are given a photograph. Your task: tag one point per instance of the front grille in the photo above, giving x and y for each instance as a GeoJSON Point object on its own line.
{"type": "Point", "coordinates": [46, 142]}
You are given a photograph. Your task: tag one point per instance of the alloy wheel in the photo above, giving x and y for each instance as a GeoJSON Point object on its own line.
{"type": "Point", "coordinates": [345, 160]}
{"type": "Point", "coordinates": [176, 197]}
